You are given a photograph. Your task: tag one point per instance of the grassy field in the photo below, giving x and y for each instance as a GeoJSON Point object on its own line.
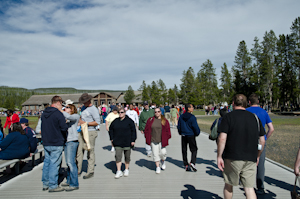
{"type": "Point", "coordinates": [282, 146]}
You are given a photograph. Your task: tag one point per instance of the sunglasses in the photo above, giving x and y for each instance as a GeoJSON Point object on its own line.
{"type": "Point", "coordinates": [67, 107]}
{"type": "Point", "coordinates": [121, 112]}
{"type": "Point", "coordinates": [157, 111]}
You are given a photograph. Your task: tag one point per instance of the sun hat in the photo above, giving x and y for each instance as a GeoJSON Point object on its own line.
{"type": "Point", "coordinates": [85, 98]}
{"type": "Point", "coordinates": [68, 101]}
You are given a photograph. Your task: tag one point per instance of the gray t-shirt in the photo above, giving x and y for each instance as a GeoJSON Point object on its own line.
{"type": "Point", "coordinates": [91, 114]}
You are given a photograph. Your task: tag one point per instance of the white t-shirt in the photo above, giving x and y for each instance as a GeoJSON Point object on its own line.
{"type": "Point", "coordinates": [132, 114]}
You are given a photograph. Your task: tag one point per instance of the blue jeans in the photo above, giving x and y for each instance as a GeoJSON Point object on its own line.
{"type": "Point", "coordinates": [70, 155]}
{"type": "Point", "coordinates": [53, 156]}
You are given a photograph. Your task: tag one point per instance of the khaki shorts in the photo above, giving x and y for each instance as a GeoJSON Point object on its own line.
{"type": "Point", "coordinates": [119, 154]}
{"type": "Point", "coordinates": [239, 170]}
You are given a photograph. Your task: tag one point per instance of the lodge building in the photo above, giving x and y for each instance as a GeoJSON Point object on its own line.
{"type": "Point", "coordinates": [38, 102]}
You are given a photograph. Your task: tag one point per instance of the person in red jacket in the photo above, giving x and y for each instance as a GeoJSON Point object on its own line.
{"type": "Point", "coordinates": [157, 133]}
{"type": "Point", "coordinates": [10, 119]}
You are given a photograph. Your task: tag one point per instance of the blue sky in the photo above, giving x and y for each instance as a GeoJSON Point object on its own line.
{"type": "Point", "coordinates": [109, 44]}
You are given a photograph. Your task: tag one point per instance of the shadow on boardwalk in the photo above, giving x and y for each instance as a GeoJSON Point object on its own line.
{"type": "Point", "coordinates": [193, 193]}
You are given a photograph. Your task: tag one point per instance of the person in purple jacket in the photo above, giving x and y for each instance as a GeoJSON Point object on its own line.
{"type": "Point", "coordinates": [54, 133]}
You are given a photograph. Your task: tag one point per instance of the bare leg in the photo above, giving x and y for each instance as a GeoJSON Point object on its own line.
{"type": "Point", "coordinates": [228, 191]}
{"type": "Point", "coordinates": [157, 164]}
{"type": "Point", "coordinates": [250, 193]}
{"type": "Point", "coordinates": [126, 165]}
{"type": "Point", "coordinates": [119, 164]}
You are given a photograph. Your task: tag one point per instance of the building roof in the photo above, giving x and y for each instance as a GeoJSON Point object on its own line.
{"type": "Point", "coordinates": [137, 99]}
{"type": "Point", "coordinates": [46, 99]}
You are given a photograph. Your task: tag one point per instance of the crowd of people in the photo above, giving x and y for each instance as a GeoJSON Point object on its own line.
{"type": "Point", "coordinates": [240, 156]}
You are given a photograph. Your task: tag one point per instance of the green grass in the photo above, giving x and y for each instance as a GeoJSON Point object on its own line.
{"type": "Point", "coordinates": [32, 122]}
{"type": "Point", "coordinates": [282, 146]}
{"type": "Point", "coordinates": [199, 112]}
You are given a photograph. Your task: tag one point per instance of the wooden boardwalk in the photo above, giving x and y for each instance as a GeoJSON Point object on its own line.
{"type": "Point", "coordinates": [142, 182]}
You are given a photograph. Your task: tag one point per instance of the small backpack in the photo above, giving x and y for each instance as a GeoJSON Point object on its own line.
{"type": "Point", "coordinates": [214, 132]}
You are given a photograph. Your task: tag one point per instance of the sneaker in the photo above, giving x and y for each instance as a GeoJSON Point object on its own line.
{"type": "Point", "coordinates": [126, 173]}
{"type": "Point", "coordinates": [187, 168]}
{"type": "Point", "coordinates": [119, 174]}
{"type": "Point", "coordinates": [57, 189]}
{"type": "Point", "coordinates": [157, 170]}
{"type": "Point", "coordinates": [64, 184]}
{"type": "Point", "coordinates": [163, 165]}
{"type": "Point", "coordinates": [112, 149]}
{"type": "Point", "coordinates": [88, 175]}
{"type": "Point", "coordinates": [193, 167]}
{"type": "Point", "coordinates": [71, 188]}
{"type": "Point", "coordinates": [260, 191]}
{"type": "Point", "coordinates": [149, 154]}
{"type": "Point", "coordinates": [45, 188]}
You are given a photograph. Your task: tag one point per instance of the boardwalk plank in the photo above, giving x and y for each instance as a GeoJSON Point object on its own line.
{"type": "Point", "coordinates": [142, 182]}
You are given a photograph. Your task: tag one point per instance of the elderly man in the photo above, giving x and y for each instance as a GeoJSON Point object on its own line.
{"type": "Point", "coordinates": [237, 147]}
{"type": "Point", "coordinates": [54, 130]}
{"type": "Point", "coordinates": [91, 116]}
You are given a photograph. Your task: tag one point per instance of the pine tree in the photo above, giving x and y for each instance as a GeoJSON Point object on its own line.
{"type": "Point", "coordinates": [226, 84]}
{"type": "Point", "coordinates": [286, 71]}
{"type": "Point", "coordinates": [129, 95]}
{"type": "Point", "coordinates": [242, 70]}
{"type": "Point", "coordinates": [154, 93]}
{"type": "Point", "coordinates": [207, 84]}
{"type": "Point", "coordinates": [145, 91]}
{"type": "Point", "coordinates": [162, 90]}
{"type": "Point", "coordinates": [267, 67]}
{"type": "Point", "coordinates": [188, 86]}
{"type": "Point", "coordinates": [295, 29]}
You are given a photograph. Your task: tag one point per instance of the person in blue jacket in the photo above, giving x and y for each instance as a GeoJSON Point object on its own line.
{"type": "Point", "coordinates": [15, 145]}
{"type": "Point", "coordinates": [188, 129]}
{"type": "Point", "coordinates": [30, 133]}
{"type": "Point", "coordinates": [54, 134]}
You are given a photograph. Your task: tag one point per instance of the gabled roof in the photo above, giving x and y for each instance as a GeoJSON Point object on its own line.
{"type": "Point", "coordinates": [46, 99]}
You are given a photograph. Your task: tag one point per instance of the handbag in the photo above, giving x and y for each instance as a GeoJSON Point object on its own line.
{"type": "Point", "coordinates": [214, 132]}
{"type": "Point", "coordinates": [294, 193]}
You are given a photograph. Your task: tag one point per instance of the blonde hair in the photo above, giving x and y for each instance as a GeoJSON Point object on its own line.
{"type": "Point", "coordinates": [163, 119]}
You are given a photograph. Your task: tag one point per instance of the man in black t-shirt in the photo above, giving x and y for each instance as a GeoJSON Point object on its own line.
{"type": "Point", "coordinates": [238, 153]}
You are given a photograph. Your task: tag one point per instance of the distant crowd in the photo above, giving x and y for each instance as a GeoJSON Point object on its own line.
{"type": "Point", "coordinates": [240, 135]}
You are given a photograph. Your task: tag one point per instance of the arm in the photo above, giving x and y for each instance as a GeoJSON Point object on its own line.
{"type": "Point", "coordinates": [72, 118]}
{"type": "Point", "coordinates": [15, 118]}
{"type": "Point", "coordinates": [6, 122]}
{"type": "Point", "coordinates": [38, 126]}
{"type": "Point", "coordinates": [221, 146]}
{"type": "Point", "coordinates": [168, 129]}
{"type": "Point", "coordinates": [133, 134]}
{"type": "Point", "coordinates": [195, 127]}
{"type": "Point", "coordinates": [179, 125]}
{"type": "Point", "coordinates": [111, 131]}
{"type": "Point", "coordinates": [141, 123]}
{"type": "Point", "coordinates": [136, 119]}
{"type": "Point", "coordinates": [297, 163]}
{"type": "Point", "coordinates": [6, 141]}
{"type": "Point", "coordinates": [262, 142]}
{"type": "Point", "coordinates": [271, 130]}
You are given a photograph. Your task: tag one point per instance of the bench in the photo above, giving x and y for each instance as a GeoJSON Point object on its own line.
{"type": "Point", "coordinates": [5, 163]}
